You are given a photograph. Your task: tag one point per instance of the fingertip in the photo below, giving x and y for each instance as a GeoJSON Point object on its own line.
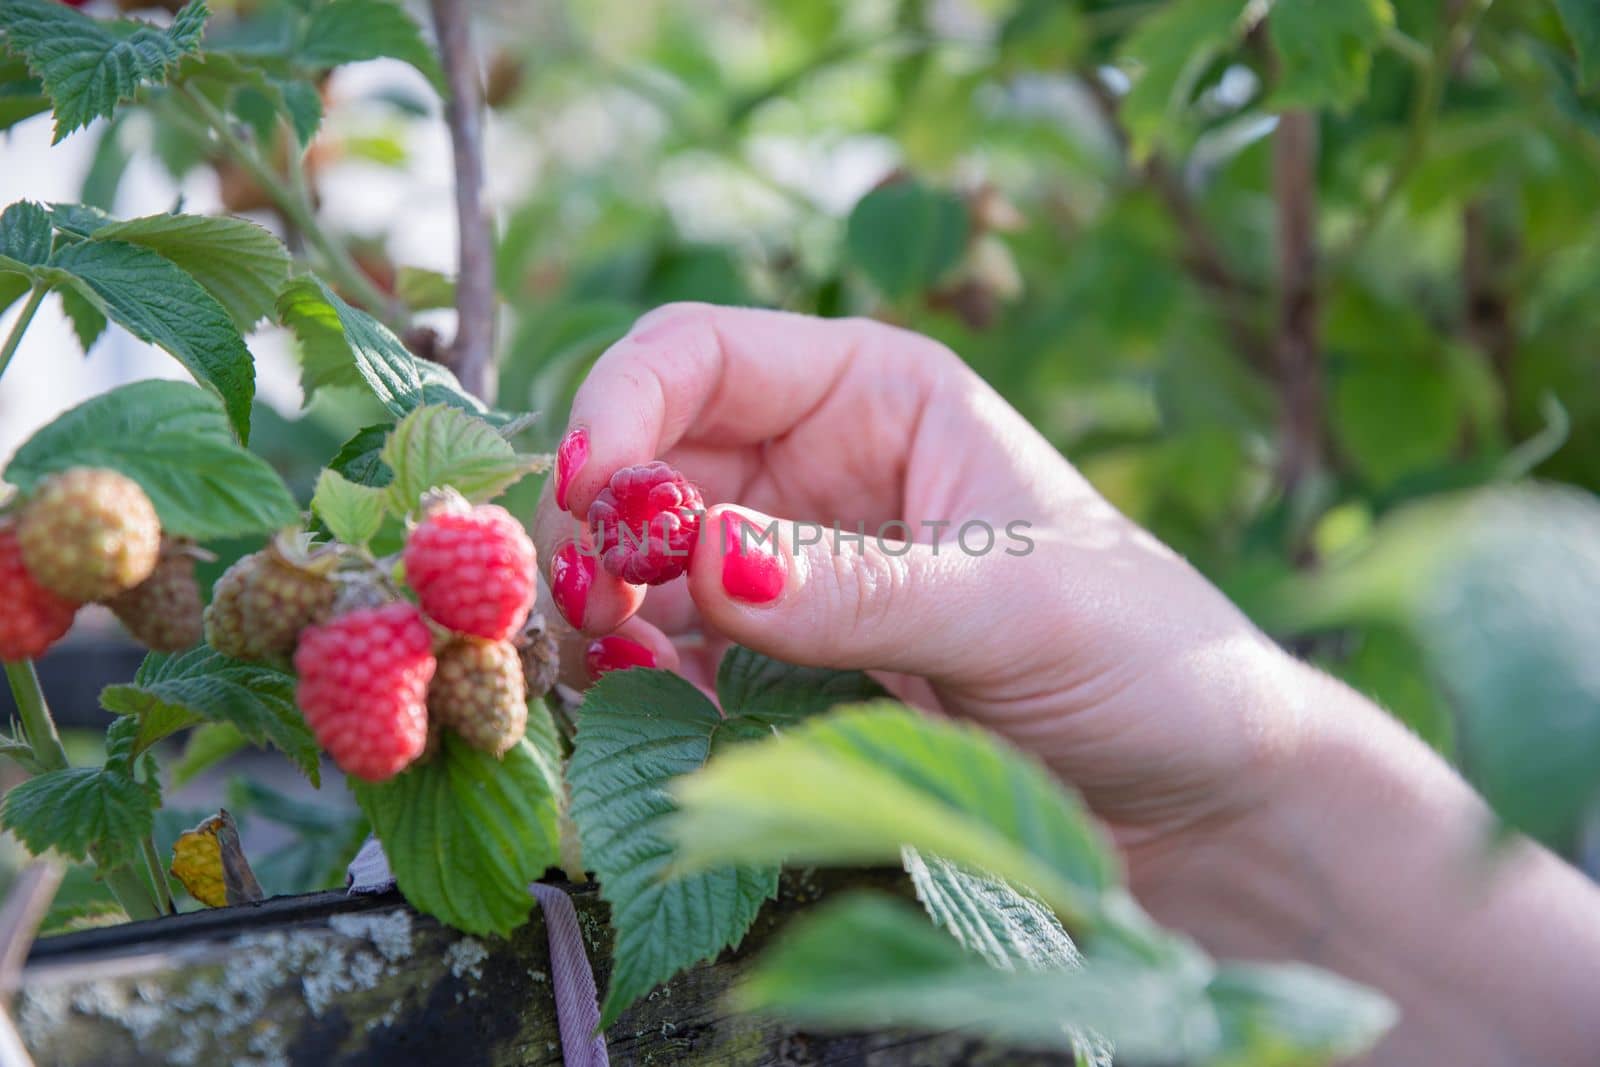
{"type": "Point", "coordinates": [635, 644]}
{"type": "Point", "coordinates": [571, 456]}
{"type": "Point", "coordinates": [589, 597]}
{"type": "Point", "coordinates": [740, 563]}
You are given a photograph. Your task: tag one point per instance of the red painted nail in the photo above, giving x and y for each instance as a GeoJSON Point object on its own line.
{"type": "Point", "coordinates": [617, 654]}
{"type": "Point", "coordinates": [570, 457]}
{"type": "Point", "coordinates": [750, 572]}
{"type": "Point", "coordinates": [571, 575]}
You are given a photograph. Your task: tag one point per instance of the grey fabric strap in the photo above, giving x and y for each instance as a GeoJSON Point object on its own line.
{"type": "Point", "coordinates": [577, 1005]}
{"type": "Point", "coordinates": [571, 977]}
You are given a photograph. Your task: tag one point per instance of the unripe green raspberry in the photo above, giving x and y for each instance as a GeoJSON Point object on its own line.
{"type": "Point", "coordinates": [89, 534]}
{"type": "Point", "coordinates": [478, 691]}
{"type": "Point", "coordinates": [261, 603]}
{"type": "Point", "coordinates": [163, 611]}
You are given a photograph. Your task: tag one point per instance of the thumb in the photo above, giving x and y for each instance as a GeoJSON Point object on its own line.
{"type": "Point", "coordinates": [827, 597]}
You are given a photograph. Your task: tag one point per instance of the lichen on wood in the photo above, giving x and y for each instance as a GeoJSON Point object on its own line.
{"type": "Point", "coordinates": [329, 978]}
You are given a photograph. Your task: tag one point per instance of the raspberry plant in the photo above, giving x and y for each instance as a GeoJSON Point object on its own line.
{"type": "Point", "coordinates": [384, 621]}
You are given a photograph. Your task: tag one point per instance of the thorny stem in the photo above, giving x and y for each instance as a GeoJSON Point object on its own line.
{"type": "Point", "coordinates": [472, 351]}
{"type": "Point", "coordinates": [37, 725]}
{"type": "Point", "coordinates": [1294, 153]}
{"type": "Point", "coordinates": [14, 338]}
{"type": "Point", "coordinates": [132, 890]}
{"type": "Point", "coordinates": [1203, 258]}
{"type": "Point", "coordinates": [152, 862]}
{"type": "Point", "coordinates": [294, 201]}
{"type": "Point", "coordinates": [125, 883]}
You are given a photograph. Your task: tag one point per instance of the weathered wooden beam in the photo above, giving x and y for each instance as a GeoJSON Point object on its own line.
{"type": "Point", "coordinates": [328, 978]}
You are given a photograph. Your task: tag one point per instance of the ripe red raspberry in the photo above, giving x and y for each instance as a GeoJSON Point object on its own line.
{"type": "Point", "coordinates": [89, 534]}
{"type": "Point", "coordinates": [364, 687]}
{"type": "Point", "coordinates": [479, 693]}
{"type": "Point", "coordinates": [261, 604]}
{"type": "Point", "coordinates": [32, 618]}
{"type": "Point", "coordinates": [163, 611]}
{"type": "Point", "coordinates": [473, 569]}
{"type": "Point", "coordinates": [645, 523]}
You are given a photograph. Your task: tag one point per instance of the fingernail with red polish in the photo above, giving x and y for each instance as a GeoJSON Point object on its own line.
{"type": "Point", "coordinates": [617, 654]}
{"type": "Point", "coordinates": [570, 457]}
{"type": "Point", "coordinates": [571, 575]}
{"type": "Point", "coordinates": [750, 572]}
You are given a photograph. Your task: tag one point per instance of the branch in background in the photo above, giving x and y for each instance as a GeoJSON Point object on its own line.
{"type": "Point", "coordinates": [1298, 345]}
{"type": "Point", "coordinates": [1459, 22]}
{"type": "Point", "coordinates": [293, 198]}
{"type": "Point", "coordinates": [1489, 325]}
{"type": "Point", "coordinates": [1203, 257]}
{"type": "Point", "coordinates": [472, 352]}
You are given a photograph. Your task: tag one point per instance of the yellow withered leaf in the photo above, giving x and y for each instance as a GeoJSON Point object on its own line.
{"type": "Point", "coordinates": [210, 863]}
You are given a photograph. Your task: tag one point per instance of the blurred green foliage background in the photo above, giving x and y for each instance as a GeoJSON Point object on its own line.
{"type": "Point", "coordinates": [1309, 288]}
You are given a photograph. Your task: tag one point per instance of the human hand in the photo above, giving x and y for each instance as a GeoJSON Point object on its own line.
{"type": "Point", "coordinates": [1059, 624]}
{"type": "Point", "coordinates": [1261, 806]}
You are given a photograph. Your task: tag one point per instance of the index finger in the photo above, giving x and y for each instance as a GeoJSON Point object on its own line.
{"type": "Point", "coordinates": [705, 374]}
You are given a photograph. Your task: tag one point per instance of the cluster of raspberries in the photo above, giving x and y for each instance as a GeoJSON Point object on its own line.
{"type": "Point", "coordinates": [84, 535]}
{"type": "Point", "coordinates": [379, 677]}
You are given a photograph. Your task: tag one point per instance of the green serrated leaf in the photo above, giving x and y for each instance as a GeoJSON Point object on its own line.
{"type": "Point", "coordinates": [352, 512]}
{"type": "Point", "coordinates": [173, 439]}
{"type": "Point", "coordinates": [24, 236]}
{"type": "Point", "coordinates": [304, 105]}
{"type": "Point", "coordinates": [905, 236]}
{"type": "Point", "coordinates": [989, 916]}
{"type": "Point", "coordinates": [21, 94]}
{"type": "Point", "coordinates": [82, 808]}
{"type": "Point", "coordinates": [465, 833]}
{"type": "Point", "coordinates": [202, 685]}
{"type": "Point", "coordinates": [150, 297]}
{"type": "Point", "coordinates": [87, 322]}
{"type": "Point", "coordinates": [1325, 50]}
{"type": "Point", "coordinates": [1508, 631]}
{"type": "Point", "coordinates": [12, 289]}
{"type": "Point", "coordinates": [88, 66]}
{"type": "Point", "coordinates": [437, 446]}
{"type": "Point", "coordinates": [773, 693]}
{"type": "Point", "coordinates": [1284, 1015]}
{"type": "Point", "coordinates": [242, 265]}
{"type": "Point", "coordinates": [342, 345]}
{"type": "Point", "coordinates": [258, 89]}
{"type": "Point", "coordinates": [420, 289]}
{"type": "Point", "coordinates": [349, 31]}
{"type": "Point", "coordinates": [858, 784]}
{"type": "Point", "coordinates": [1169, 51]}
{"type": "Point", "coordinates": [869, 962]}
{"type": "Point", "coordinates": [208, 744]}
{"type": "Point", "coordinates": [1582, 21]}
{"type": "Point", "coordinates": [639, 730]}
{"type": "Point", "coordinates": [360, 459]}
{"type": "Point", "coordinates": [80, 220]}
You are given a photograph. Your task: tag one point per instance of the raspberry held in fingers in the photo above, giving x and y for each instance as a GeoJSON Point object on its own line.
{"type": "Point", "coordinates": [645, 522]}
